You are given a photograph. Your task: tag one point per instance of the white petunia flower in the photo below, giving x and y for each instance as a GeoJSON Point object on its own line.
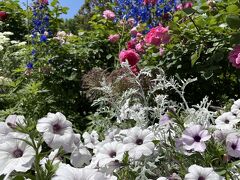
{"type": "Point", "coordinates": [226, 121]}
{"type": "Point", "coordinates": [111, 152]}
{"type": "Point", "coordinates": [52, 157]}
{"type": "Point", "coordinates": [66, 172]}
{"type": "Point", "coordinates": [233, 144]}
{"type": "Point", "coordinates": [15, 154]}
{"type": "Point", "coordinates": [14, 120]}
{"type": "Point", "coordinates": [57, 131]}
{"type": "Point", "coordinates": [139, 142]}
{"type": "Point", "coordinates": [196, 172]}
{"type": "Point", "coordinates": [80, 156]}
{"type": "Point", "coordinates": [235, 109]}
{"type": "Point", "coordinates": [90, 140]}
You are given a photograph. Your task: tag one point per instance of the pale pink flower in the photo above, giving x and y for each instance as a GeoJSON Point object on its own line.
{"type": "Point", "coordinates": [194, 138]}
{"type": "Point", "coordinates": [140, 47]}
{"type": "Point", "coordinates": [234, 56]}
{"type": "Point", "coordinates": [233, 145]}
{"type": "Point", "coordinates": [158, 35]}
{"type": "Point", "coordinates": [113, 38]}
{"type": "Point", "coordinates": [161, 51]}
{"type": "Point", "coordinates": [134, 31]}
{"type": "Point", "coordinates": [107, 14]}
{"type": "Point", "coordinates": [131, 21]}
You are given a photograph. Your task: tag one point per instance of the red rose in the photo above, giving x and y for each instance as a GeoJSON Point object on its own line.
{"type": "Point", "coordinates": [3, 15]}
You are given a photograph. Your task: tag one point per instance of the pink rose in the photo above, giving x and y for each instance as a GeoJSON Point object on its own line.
{"type": "Point", "coordinates": [184, 5]}
{"type": "Point", "coordinates": [43, 1]}
{"type": "Point", "coordinates": [129, 55]}
{"type": "Point", "coordinates": [187, 5]}
{"type": "Point", "coordinates": [161, 51]}
{"type": "Point", "coordinates": [151, 2]}
{"type": "Point", "coordinates": [158, 35]}
{"type": "Point", "coordinates": [140, 47]}
{"type": "Point", "coordinates": [234, 56]}
{"type": "Point", "coordinates": [134, 31]}
{"type": "Point", "coordinates": [107, 14]}
{"type": "Point", "coordinates": [131, 21]}
{"type": "Point", "coordinates": [114, 38]}
{"type": "Point", "coordinates": [135, 69]}
{"type": "Point", "coordinates": [131, 44]}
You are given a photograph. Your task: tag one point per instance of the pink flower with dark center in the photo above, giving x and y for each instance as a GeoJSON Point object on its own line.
{"type": "Point", "coordinates": [129, 55]}
{"type": "Point", "coordinates": [114, 38]}
{"type": "Point", "coordinates": [107, 14]}
{"type": "Point", "coordinates": [194, 138]}
{"type": "Point", "coordinates": [234, 56]}
{"type": "Point", "coordinates": [158, 35]}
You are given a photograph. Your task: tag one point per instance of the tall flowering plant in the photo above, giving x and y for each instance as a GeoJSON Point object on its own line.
{"type": "Point", "coordinates": [40, 31]}
{"type": "Point", "coordinates": [145, 11]}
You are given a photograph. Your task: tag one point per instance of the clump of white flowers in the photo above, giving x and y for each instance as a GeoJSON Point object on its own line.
{"type": "Point", "coordinates": [159, 140]}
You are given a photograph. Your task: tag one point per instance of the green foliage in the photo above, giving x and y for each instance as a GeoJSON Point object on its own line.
{"type": "Point", "coordinates": [201, 39]}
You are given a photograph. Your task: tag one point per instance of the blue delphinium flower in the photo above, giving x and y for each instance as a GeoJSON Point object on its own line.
{"type": "Point", "coordinates": [40, 22]}
{"type": "Point", "coordinates": [149, 13]}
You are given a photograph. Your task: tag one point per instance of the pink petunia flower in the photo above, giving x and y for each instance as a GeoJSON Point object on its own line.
{"type": "Point", "coordinates": [234, 56]}
{"type": "Point", "coordinates": [113, 38]}
{"type": "Point", "coordinates": [158, 35]}
{"type": "Point", "coordinates": [107, 14]}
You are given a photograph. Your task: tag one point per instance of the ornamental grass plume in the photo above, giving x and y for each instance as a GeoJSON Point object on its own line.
{"type": "Point", "coordinates": [234, 56]}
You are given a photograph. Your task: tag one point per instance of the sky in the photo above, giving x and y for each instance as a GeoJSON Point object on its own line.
{"type": "Point", "coordinates": [73, 5]}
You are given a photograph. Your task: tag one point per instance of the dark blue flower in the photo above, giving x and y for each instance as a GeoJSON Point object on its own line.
{"type": "Point", "coordinates": [30, 65]}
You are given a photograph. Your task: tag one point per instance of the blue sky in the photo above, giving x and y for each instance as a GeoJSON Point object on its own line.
{"type": "Point", "coordinates": [74, 6]}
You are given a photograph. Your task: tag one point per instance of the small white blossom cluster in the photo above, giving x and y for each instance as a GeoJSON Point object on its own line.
{"type": "Point", "coordinates": [62, 37]}
{"type": "Point", "coordinates": [4, 39]}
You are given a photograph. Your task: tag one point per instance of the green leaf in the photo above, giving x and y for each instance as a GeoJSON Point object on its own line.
{"type": "Point", "coordinates": [196, 55]}
{"type": "Point", "coordinates": [233, 21]}
{"type": "Point", "coordinates": [54, 2]}
{"type": "Point", "coordinates": [235, 38]}
{"type": "Point", "coordinates": [189, 10]}
{"type": "Point", "coordinates": [233, 9]}
{"type": "Point", "coordinates": [109, 56]}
